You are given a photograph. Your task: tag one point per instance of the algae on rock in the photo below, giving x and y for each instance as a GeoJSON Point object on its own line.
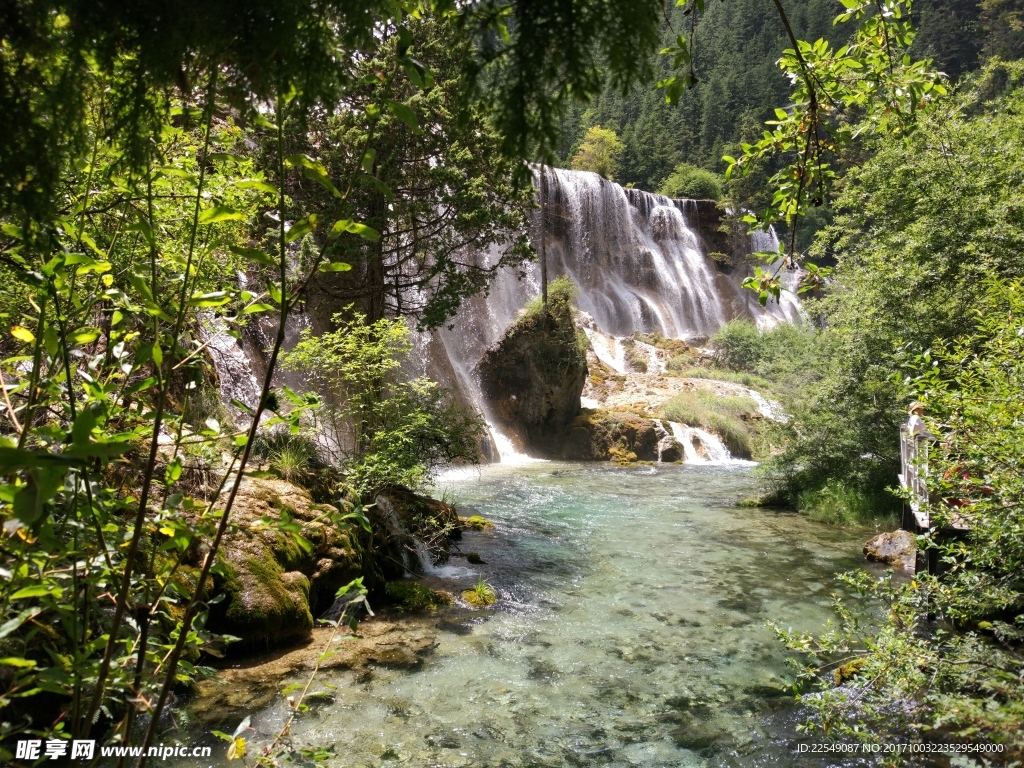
{"type": "Point", "coordinates": [275, 583]}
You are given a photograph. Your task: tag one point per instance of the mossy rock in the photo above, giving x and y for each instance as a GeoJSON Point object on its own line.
{"type": "Point", "coordinates": [274, 583]}
{"type": "Point", "coordinates": [402, 516]}
{"type": "Point", "coordinates": [481, 596]}
{"type": "Point", "coordinates": [413, 596]}
{"type": "Point", "coordinates": [595, 433]}
{"type": "Point", "coordinates": [848, 671]}
{"type": "Point", "coordinates": [473, 558]}
{"type": "Point", "coordinates": [621, 457]}
{"type": "Point", "coordinates": [476, 523]}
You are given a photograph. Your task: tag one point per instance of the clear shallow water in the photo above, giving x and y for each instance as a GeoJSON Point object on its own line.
{"type": "Point", "coordinates": [630, 629]}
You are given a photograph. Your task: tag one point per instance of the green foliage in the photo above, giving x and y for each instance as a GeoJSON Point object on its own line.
{"type": "Point", "coordinates": [689, 181]}
{"type": "Point", "coordinates": [920, 227]}
{"type": "Point", "coordinates": [110, 424]}
{"type": "Point", "coordinates": [449, 189]}
{"type": "Point", "coordinates": [292, 457]}
{"type": "Point", "coordinates": [684, 368]}
{"type": "Point", "coordinates": [781, 358]}
{"type": "Point", "coordinates": [413, 596]}
{"type": "Point", "coordinates": [599, 152]}
{"type": "Point", "coordinates": [839, 504]}
{"type": "Point", "coordinates": [726, 417]}
{"type": "Point", "coordinates": [738, 345]}
{"type": "Point", "coordinates": [960, 674]}
{"type": "Point", "coordinates": [562, 293]}
{"type": "Point", "coordinates": [380, 426]}
{"type": "Point", "coordinates": [481, 595]}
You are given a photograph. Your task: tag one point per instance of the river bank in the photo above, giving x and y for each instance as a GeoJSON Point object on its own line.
{"type": "Point", "coordinates": [630, 630]}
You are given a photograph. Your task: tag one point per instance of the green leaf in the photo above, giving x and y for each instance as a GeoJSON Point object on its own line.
{"type": "Point", "coordinates": [334, 266]}
{"type": "Point", "coordinates": [381, 187]}
{"type": "Point", "coordinates": [214, 299]}
{"type": "Point", "coordinates": [12, 661]}
{"type": "Point", "coordinates": [253, 254]}
{"type": "Point", "coordinates": [20, 458]}
{"type": "Point", "coordinates": [368, 159]}
{"type": "Point", "coordinates": [239, 404]}
{"type": "Point", "coordinates": [11, 625]}
{"type": "Point", "coordinates": [347, 225]}
{"type": "Point", "coordinates": [404, 113]}
{"type": "Point", "coordinates": [254, 308]}
{"type": "Point", "coordinates": [274, 291]}
{"type": "Point", "coordinates": [36, 591]}
{"type": "Point", "coordinates": [257, 184]}
{"type": "Point", "coordinates": [173, 472]}
{"type": "Point", "coordinates": [220, 213]}
{"type": "Point", "coordinates": [301, 228]}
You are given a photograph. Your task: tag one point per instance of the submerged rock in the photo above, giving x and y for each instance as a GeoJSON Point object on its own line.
{"type": "Point", "coordinates": [240, 689]}
{"type": "Point", "coordinates": [533, 376]}
{"type": "Point", "coordinates": [897, 548]}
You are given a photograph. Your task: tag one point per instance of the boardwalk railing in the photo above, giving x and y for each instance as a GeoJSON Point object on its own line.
{"type": "Point", "coordinates": [913, 477]}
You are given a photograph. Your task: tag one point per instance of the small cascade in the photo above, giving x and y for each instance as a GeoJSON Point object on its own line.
{"type": "Point", "coordinates": [702, 447]}
{"type": "Point", "coordinates": [768, 408]}
{"type": "Point", "coordinates": [666, 441]}
{"type": "Point", "coordinates": [425, 565]}
{"type": "Point", "coordinates": [506, 450]}
{"type": "Point", "coordinates": [608, 349]}
{"type": "Point", "coordinates": [232, 363]}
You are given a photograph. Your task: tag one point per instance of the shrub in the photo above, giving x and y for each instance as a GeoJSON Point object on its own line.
{"type": "Point", "coordinates": [738, 345]}
{"type": "Point", "coordinates": [690, 182]}
{"type": "Point", "coordinates": [839, 504]}
{"type": "Point", "coordinates": [380, 426]}
{"type": "Point", "coordinates": [561, 290]}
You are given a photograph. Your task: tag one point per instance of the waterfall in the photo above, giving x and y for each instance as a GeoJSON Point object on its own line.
{"type": "Point", "coordinates": [702, 447]}
{"type": "Point", "coordinates": [640, 260]}
{"type": "Point", "coordinates": [641, 263]}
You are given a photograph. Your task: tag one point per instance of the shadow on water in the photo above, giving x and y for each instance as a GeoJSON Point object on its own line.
{"type": "Point", "coordinates": [630, 630]}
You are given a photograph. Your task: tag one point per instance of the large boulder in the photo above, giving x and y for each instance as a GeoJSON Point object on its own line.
{"type": "Point", "coordinates": [273, 585]}
{"type": "Point", "coordinates": [598, 435]}
{"type": "Point", "coordinates": [533, 376]}
{"type": "Point", "coordinates": [896, 548]}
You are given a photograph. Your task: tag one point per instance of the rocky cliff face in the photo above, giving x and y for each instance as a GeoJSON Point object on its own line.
{"type": "Point", "coordinates": [533, 376]}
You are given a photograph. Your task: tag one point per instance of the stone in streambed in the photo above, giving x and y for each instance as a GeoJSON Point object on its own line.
{"type": "Point", "coordinates": [476, 523]}
{"type": "Point", "coordinates": [896, 548]}
{"type": "Point", "coordinates": [533, 376]}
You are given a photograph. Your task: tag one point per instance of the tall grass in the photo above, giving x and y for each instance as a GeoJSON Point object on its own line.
{"type": "Point", "coordinates": [727, 417]}
{"type": "Point", "coordinates": [837, 503]}
{"type": "Point", "coordinates": [683, 367]}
